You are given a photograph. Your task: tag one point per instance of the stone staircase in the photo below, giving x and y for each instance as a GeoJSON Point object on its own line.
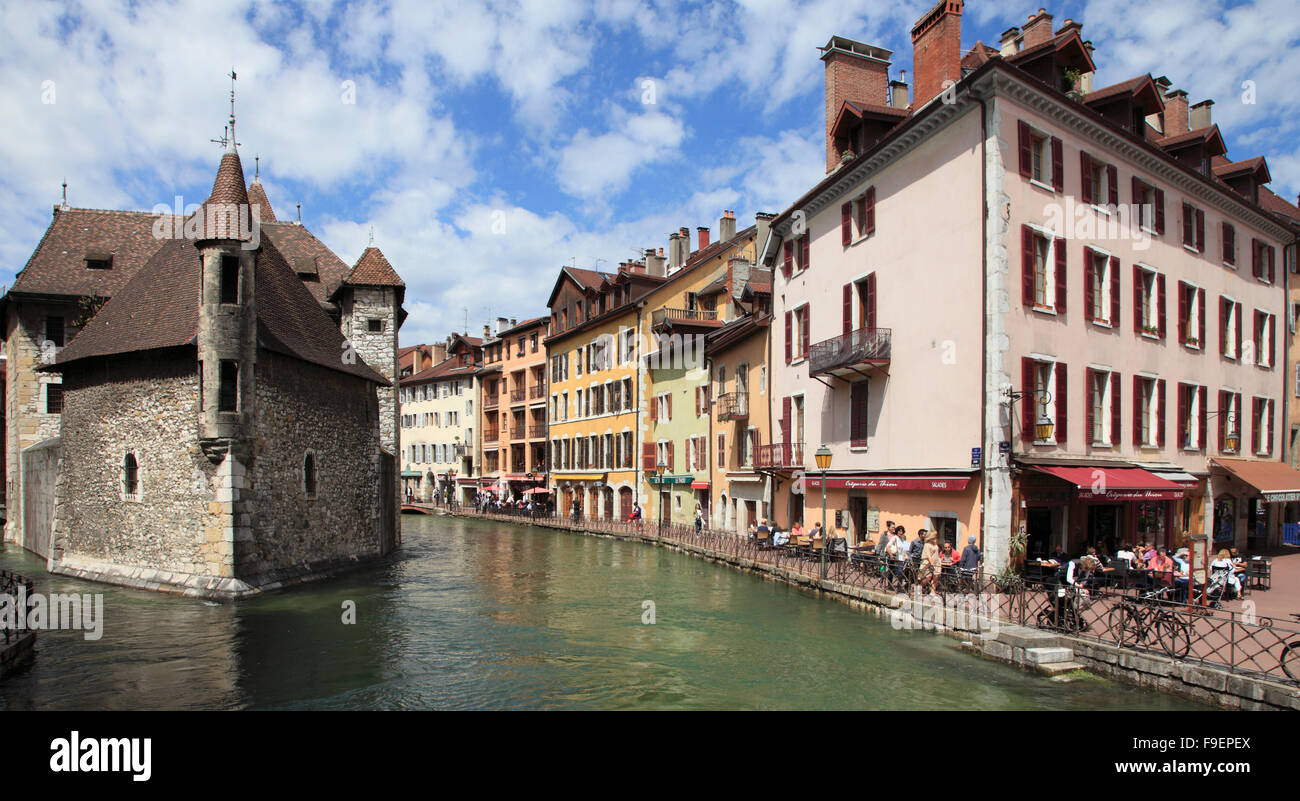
{"type": "Point", "coordinates": [1033, 649]}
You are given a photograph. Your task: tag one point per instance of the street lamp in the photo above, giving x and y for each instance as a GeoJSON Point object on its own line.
{"type": "Point", "coordinates": [1043, 426]}
{"type": "Point", "coordinates": [1232, 439]}
{"type": "Point", "coordinates": [659, 470]}
{"type": "Point", "coordinates": [823, 457]}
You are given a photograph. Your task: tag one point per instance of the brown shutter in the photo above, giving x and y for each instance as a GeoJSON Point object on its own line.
{"type": "Point", "coordinates": [648, 457]}
{"type": "Point", "coordinates": [1160, 412]}
{"type": "Point", "coordinates": [654, 409]}
{"type": "Point", "coordinates": [697, 401]}
{"type": "Point", "coordinates": [669, 398]}
{"type": "Point", "coordinates": [871, 302]}
{"type": "Point", "coordinates": [1061, 276]}
{"type": "Point", "coordinates": [1137, 198]}
{"type": "Point", "coordinates": [1137, 411]}
{"type": "Point", "coordinates": [1189, 226]}
{"type": "Point", "coordinates": [1088, 294]}
{"type": "Point", "coordinates": [1058, 165]}
{"type": "Point", "coordinates": [1160, 211]}
{"type": "Point", "coordinates": [871, 210]}
{"type": "Point", "coordinates": [1114, 292]}
{"type": "Point", "coordinates": [1062, 403]}
{"type": "Point", "coordinates": [1205, 418]}
{"type": "Point", "coordinates": [1090, 416]}
{"type": "Point", "coordinates": [1137, 299]}
{"type": "Point", "coordinates": [1027, 265]}
{"type": "Point", "coordinates": [846, 224]}
{"type": "Point", "coordinates": [1255, 253]}
{"type": "Point", "coordinates": [1112, 182]}
{"type": "Point", "coordinates": [787, 264]}
{"type": "Point", "coordinates": [1116, 418]}
{"type": "Point", "coordinates": [1085, 168]}
{"type": "Point", "coordinates": [1026, 150]}
{"type": "Point", "coordinates": [1027, 398]}
{"type": "Point", "coordinates": [848, 309]}
{"type": "Point", "coordinates": [1272, 259]}
{"type": "Point", "coordinates": [1160, 302]}
{"type": "Point", "coordinates": [786, 422]}
{"type": "Point", "coordinates": [789, 334]}
{"type": "Point", "coordinates": [858, 412]}
{"type": "Point", "coordinates": [672, 457]}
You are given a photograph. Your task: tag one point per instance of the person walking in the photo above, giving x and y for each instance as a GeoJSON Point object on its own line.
{"type": "Point", "coordinates": [930, 566]}
{"type": "Point", "coordinates": [699, 520]}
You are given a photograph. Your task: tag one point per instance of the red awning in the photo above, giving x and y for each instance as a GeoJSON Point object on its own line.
{"type": "Point", "coordinates": [699, 485]}
{"type": "Point", "coordinates": [1275, 481]}
{"type": "Point", "coordinates": [537, 491]}
{"type": "Point", "coordinates": [902, 481]}
{"type": "Point", "coordinates": [1117, 483]}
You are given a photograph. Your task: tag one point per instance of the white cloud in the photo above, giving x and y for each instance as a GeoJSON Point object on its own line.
{"type": "Point", "coordinates": [591, 166]}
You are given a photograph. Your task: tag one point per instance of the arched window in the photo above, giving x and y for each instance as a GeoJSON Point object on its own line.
{"type": "Point", "coordinates": [309, 475]}
{"type": "Point", "coordinates": [130, 476]}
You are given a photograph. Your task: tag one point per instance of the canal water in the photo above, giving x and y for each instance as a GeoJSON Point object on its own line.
{"type": "Point", "coordinates": [482, 615]}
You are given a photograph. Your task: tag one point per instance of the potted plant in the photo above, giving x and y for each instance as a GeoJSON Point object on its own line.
{"type": "Point", "coordinates": [846, 157]}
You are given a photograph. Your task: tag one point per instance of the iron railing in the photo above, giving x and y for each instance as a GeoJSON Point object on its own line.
{"type": "Point", "coordinates": [518, 395]}
{"type": "Point", "coordinates": [856, 347]}
{"type": "Point", "coordinates": [537, 392]}
{"type": "Point", "coordinates": [491, 434]}
{"type": "Point", "coordinates": [661, 316]}
{"type": "Point", "coordinates": [14, 586]}
{"type": "Point", "coordinates": [491, 400]}
{"type": "Point", "coordinates": [782, 454]}
{"type": "Point", "coordinates": [732, 406]}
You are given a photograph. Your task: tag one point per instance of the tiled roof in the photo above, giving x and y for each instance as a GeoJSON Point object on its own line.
{"type": "Point", "coordinates": [257, 197]}
{"type": "Point", "coordinates": [447, 368]}
{"type": "Point", "coordinates": [1224, 167]}
{"type": "Point", "coordinates": [220, 215]}
{"type": "Point", "coordinates": [1272, 202]}
{"type": "Point", "coordinates": [373, 270]}
{"type": "Point", "coordinates": [1116, 89]}
{"type": "Point", "coordinates": [159, 308]}
{"type": "Point", "coordinates": [978, 55]}
{"type": "Point", "coordinates": [299, 246]}
{"type": "Point", "coordinates": [1200, 134]}
{"type": "Point", "coordinates": [58, 264]}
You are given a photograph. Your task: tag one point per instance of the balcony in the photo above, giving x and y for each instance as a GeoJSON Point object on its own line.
{"type": "Point", "coordinates": [517, 396]}
{"type": "Point", "coordinates": [461, 451]}
{"type": "Point", "coordinates": [780, 455]}
{"type": "Point", "coordinates": [851, 354]}
{"type": "Point", "coordinates": [491, 400]}
{"type": "Point", "coordinates": [732, 406]}
{"type": "Point", "coordinates": [537, 392]}
{"type": "Point", "coordinates": [537, 432]}
{"type": "Point", "coordinates": [684, 318]}
{"type": "Point", "coordinates": [491, 434]}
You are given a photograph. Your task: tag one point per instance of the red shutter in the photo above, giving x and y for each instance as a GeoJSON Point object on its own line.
{"type": "Point", "coordinates": [1223, 325]}
{"type": "Point", "coordinates": [1026, 150]}
{"type": "Point", "coordinates": [1200, 230]}
{"type": "Point", "coordinates": [1027, 264]}
{"type": "Point", "coordinates": [1223, 405]}
{"type": "Point", "coordinates": [1200, 321]}
{"type": "Point", "coordinates": [672, 458]}
{"type": "Point", "coordinates": [1137, 411]}
{"type": "Point", "coordinates": [1160, 412]}
{"type": "Point", "coordinates": [1271, 420]}
{"type": "Point", "coordinates": [648, 457]}
{"type": "Point", "coordinates": [1256, 422]}
{"type": "Point", "coordinates": [871, 302]}
{"type": "Point", "coordinates": [669, 398]}
{"type": "Point", "coordinates": [1272, 259]}
{"type": "Point", "coordinates": [697, 401]}
{"type": "Point", "coordinates": [789, 334]}
{"type": "Point", "coordinates": [654, 409]}
{"type": "Point", "coordinates": [1061, 267]}
{"type": "Point", "coordinates": [1160, 211]}
{"type": "Point", "coordinates": [803, 329]}
{"type": "Point", "coordinates": [1114, 292]}
{"type": "Point", "coordinates": [1062, 403]}
{"type": "Point", "coordinates": [1238, 331]}
{"type": "Point", "coordinates": [1058, 165]}
{"type": "Point", "coordinates": [1090, 417]}
{"type": "Point", "coordinates": [1027, 398]}
{"type": "Point", "coordinates": [787, 265]}
{"type": "Point", "coordinates": [848, 309]}
{"type": "Point", "coordinates": [1182, 312]}
{"type": "Point", "coordinates": [1160, 302]}
{"type": "Point", "coordinates": [1182, 416]}
{"type": "Point", "coordinates": [1205, 418]}
{"type": "Point", "coordinates": [785, 420]}
{"type": "Point", "coordinates": [1229, 244]}
{"type": "Point", "coordinates": [1112, 182]}
{"type": "Point", "coordinates": [1137, 299]}
{"type": "Point", "coordinates": [1116, 418]}
{"type": "Point", "coordinates": [1189, 226]}
{"type": "Point", "coordinates": [871, 210]}
{"type": "Point", "coordinates": [858, 413]}
{"type": "Point", "coordinates": [846, 224]}
{"type": "Point", "coordinates": [1255, 253]}
{"type": "Point", "coordinates": [1272, 341]}
{"type": "Point", "coordinates": [1240, 427]}
{"type": "Point", "coordinates": [806, 243]}
{"type": "Point", "coordinates": [1137, 199]}
{"type": "Point", "coordinates": [1085, 168]}
{"type": "Point", "coordinates": [1088, 295]}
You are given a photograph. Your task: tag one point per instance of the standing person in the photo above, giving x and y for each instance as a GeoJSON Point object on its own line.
{"type": "Point", "coordinates": [930, 566]}
{"type": "Point", "coordinates": [971, 556]}
{"type": "Point", "coordinates": [882, 546]}
{"type": "Point", "coordinates": [699, 520]}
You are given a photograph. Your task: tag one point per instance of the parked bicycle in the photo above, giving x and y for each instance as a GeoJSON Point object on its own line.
{"type": "Point", "coordinates": [1291, 656]}
{"type": "Point", "coordinates": [1150, 620]}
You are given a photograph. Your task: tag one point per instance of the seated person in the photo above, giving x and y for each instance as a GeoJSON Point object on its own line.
{"type": "Point", "coordinates": [796, 530]}
{"type": "Point", "coordinates": [1222, 569]}
{"type": "Point", "coordinates": [1162, 566]}
{"type": "Point", "coordinates": [780, 537]}
{"type": "Point", "coordinates": [947, 554]}
{"type": "Point", "coordinates": [762, 527]}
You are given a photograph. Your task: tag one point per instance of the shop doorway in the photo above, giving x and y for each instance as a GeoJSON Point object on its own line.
{"type": "Point", "coordinates": [1103, 527]}
{"type": "Point", "coordinates": [1038, 528]}
{"type": "Point", "coordinates": [945, 530]}
{"type": "Point", "coordinates": [796, 510]}
{"type": "Point", "coordinates": [1256, 525]}
{"type": "Point", "coordinates": [858, 520]}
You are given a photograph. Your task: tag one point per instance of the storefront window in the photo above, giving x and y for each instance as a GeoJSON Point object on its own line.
{"type": "Point", "coordinates": [1225, 520]}
{"type": "Point", "coordinates": [1151, 522]}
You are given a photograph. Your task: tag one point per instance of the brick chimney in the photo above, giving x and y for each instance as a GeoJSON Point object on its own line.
{"type": "Point", "coordinates": [727, 226]}
{"type": "Point", "coordinates": [1175, 113]}
{"type": "Point", "coordinates": [1038, 29]}
{"type": "Point", "coordinates": [703, 234]}
{"type": "Point", "coordinates": [936, 50]}
{"type": "Point", "coordinates": [854, 71]}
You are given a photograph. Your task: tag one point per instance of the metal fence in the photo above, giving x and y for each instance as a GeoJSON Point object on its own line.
{"type": "Point", "coordinates": [10, 585]}
{"type": "Point", "coordinates": [1127, 618]}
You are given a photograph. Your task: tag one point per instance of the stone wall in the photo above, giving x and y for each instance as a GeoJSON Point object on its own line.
{"type": "Point", "coordinates": [40, 473]}
{"type": "Point", "coordinates": [302, 408]}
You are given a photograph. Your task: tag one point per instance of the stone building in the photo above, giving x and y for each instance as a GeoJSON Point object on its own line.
{"type": "Point", "coordinates": [226, 423]}
{"type": "Point", "coordinates": [438, 421]}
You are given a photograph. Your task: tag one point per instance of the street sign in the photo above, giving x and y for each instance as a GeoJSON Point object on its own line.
{"type": "Point", "coordinates": [976, 457]}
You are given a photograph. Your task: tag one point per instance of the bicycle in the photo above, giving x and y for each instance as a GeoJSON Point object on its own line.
{"type": "Point", "coordinates": [1063, 609]}
{"type": "Point", "coordinates": [1149, 620]}
{"type": "Point", "coordinates": [1291, 656]}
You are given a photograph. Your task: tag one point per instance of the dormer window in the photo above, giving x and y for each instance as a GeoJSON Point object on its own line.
{"type": "Point", "coordinates": [99, 261]}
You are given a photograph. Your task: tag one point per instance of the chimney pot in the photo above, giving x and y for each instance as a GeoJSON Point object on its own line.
{"type": "Point", "coordinates": [936, 50]}
{"type": "Point", "coordinates": [1038, 29]}
{"type": "Point", "coordinates": [703, 234]}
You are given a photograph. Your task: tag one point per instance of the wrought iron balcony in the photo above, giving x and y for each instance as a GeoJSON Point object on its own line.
{"type": "Point", "coordinates": [732, 406]}
{"type": "Point", "coordinates": [491, 434]}
{"type": "Point", "coordinates": [537, 392]}
{"type": "Point", "coordinates": [687, 317]}
{"type": "Point", "coordinates": [782, 454]}
{"type": "Point", "coordinates": [461, 450]}
{"type": "Point", "coordinates": [491, 400]}
{"type": "Point", "coordinates": [537, 432]}
{"type": "Point", "coordinates": [517, 395]}
{"type": "Point", "coordinates": [852, 353]}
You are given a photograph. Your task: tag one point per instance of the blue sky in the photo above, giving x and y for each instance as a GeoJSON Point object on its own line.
{"type": "Point", "coordinates": [490, 143]}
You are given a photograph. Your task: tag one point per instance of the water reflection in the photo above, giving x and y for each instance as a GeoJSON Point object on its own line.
{"type": "Point", "coordinates": [477, 615]}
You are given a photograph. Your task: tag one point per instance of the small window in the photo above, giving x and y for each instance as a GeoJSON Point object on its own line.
{"type": "Point", "coordinates": [230, 279]}
{"type": "Point", "coordinates": [99, 262]}
{"type": "Point", "coordinates": [54, 330]}
{"type": "Point", "coordinates": [228, 392]}
{"type": "Point", "coordinates": [54, 399]}
{"type": "Point", "coordinates": [374, 325]}
{"type": "Point", "coordinates": [309, 475]}
{"type": "Point", "coordinates": [130, 476]}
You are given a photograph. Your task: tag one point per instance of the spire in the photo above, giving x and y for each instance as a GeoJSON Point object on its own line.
{"type": "Point", "coordinates": [231, 142]}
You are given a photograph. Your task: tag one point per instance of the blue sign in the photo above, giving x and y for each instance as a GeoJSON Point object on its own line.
{"type": "Point", "coordinates": [976, 457]}
{"type": "Point", "coordinates": [1004, 447]}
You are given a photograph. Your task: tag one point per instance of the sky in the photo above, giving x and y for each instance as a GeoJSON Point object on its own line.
{"type": "Point", "coordinates": [487, 144]}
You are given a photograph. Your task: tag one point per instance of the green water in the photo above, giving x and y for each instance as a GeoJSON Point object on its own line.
{"type": "Point", "coordinates": [479, 615]}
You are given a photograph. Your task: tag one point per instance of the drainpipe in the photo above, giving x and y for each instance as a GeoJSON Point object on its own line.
{"type": "Point", "coordinates": [636, 404]}
{"type": "Point", "coordinates": [984, 320]}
